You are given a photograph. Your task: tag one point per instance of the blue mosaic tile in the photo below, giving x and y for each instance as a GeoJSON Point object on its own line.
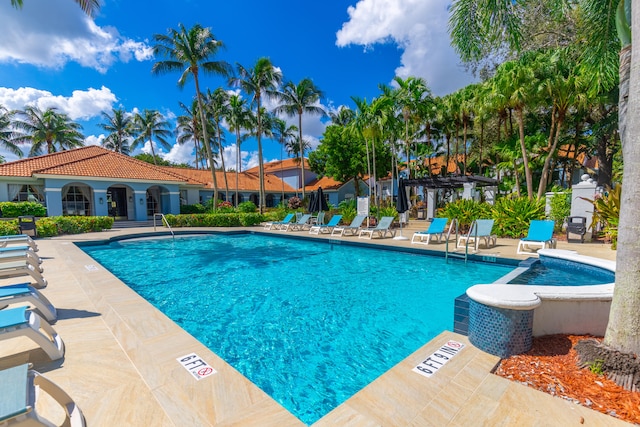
{"type": "Point", "coordinates": [499, 331]}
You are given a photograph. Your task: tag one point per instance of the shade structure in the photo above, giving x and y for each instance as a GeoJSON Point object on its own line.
{"type": "Point", "coordinates": [402, 204]}
{"type": "Point", "coordinates": [312, 201]}
{"type": "Point", "coordinates": [320, 200]}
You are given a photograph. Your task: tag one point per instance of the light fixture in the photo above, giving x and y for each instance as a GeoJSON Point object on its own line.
{"type": "Point", "coordinates": [101, 200]}
{"type": "Point", "coordinates": [130, 199]}
{"type": "Point", "coordinates": [141, 201]}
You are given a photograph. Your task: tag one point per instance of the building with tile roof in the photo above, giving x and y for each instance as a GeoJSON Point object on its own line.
{"type": "Point", "coordinates": [95, 181]}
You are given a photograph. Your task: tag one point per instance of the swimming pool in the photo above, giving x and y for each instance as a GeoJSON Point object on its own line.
{"type": "Point", "coordinates": [309, 322]}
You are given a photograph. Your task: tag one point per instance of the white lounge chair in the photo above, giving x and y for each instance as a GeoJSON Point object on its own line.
{"type": "Point", "coordinates": [26, 256]}
{"type": "Point", "coordinates": [20, 390]}
{"type": "Point", "coordinates": [21, 322]}
{"type": "Point", "coordinates": [351, 229]}
{"type": "Point", "coordinates": [480, 229]}
{"type": "Point", "coordinates": [25, 293]}
{"type": "Point", "coordinates": [18, 239]}
{"type": "Point", "coordinates": [19, 268]}
{"type": "Point", "coordinates": [540, 235]}
{"type": "Point", "coordinates": [382, 229]}
{"type": "Point", "coordinates": [435, 230]}
{"type": "Point", "coordinates": [301, 224]}
{"type": "Point", "coordinates": [328, 227]}
{"type": "Point", "coordinates": [274, 225]}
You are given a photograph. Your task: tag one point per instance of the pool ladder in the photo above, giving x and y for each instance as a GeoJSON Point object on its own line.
{"type": "Point", "coordinates": [447, 254]}
{"type": "Point", "coordinates": [163, 219]}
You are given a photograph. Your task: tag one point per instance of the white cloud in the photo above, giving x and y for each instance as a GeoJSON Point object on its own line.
{"type": "Point", "coordinates": [180, 154]}
{"type": "Point", "coordinates": [50, 33]}
{"type": "Point", "coordinates": [94, 140]}
{"type": "Point", "coordinates": [81, 105]}
{"type": "Point", "coordinates": [419, 28]}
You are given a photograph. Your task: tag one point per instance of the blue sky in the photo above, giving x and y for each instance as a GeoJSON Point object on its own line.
{"type": "Point", "coordinates": [53, 55]}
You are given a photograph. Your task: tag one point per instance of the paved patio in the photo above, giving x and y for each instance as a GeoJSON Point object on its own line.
{"type": "Point", "coordinates": [120, 363]}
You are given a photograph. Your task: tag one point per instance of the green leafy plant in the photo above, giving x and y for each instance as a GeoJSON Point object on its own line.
{"type": "Point", "coordinates": [191, 209]}
{"type": "Point", "coordinates": [465, 211]}
{"type": "Point", "coordinates": [607, 212]}
{"type": "Point", "coordinates": [9, 228]}
{"type": "Point", "coordinates": [560, 208]}
{"type": "Point", "coordinates": [247, 207]}
{"type": "Point", "coordinates": [225, 207]}
{"type": "Point", "coordinates": [513, 215]}
{"type": "Point", "coordinates": [597, 367]}
{"type": "Point", "coordinates": [348, 210]}
{"type": "Point", "coordinates": [16, 209]}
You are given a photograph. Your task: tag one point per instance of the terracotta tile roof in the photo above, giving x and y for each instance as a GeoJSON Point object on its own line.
{"type": "Point", "coordinates": [90, 161]}
{"type": "Point", "coordinates": [325, 182]}
{"type": "Point", "coordinates": [247, 181]}
{"type": "Point", "coordinates": [277, 165]}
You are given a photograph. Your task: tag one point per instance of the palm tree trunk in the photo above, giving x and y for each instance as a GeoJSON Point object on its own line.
{"type": "Point", "coordinates": [542, 186]}
{"type": "Point", "coordinates": [525, 160]}
{"type": "Point", "coordinates": [260, 159]}
{"type": "Point", "coordinates": [207, 145]}
{"type": "Point", "coordinates": [301, 152]}
{"type": "Point", "coordinates": [224, 169]}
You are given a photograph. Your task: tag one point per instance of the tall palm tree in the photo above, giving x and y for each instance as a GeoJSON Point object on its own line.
{"type": "Point", "coordinates": [119, 124]}
{"type": "Point", "coordinates": [7, 132]}
{"type": "Point", "coordinates": [343, 116]}
{"type": "Point", "coordinates": [188, 128]}
{"type": "Point", "coordinates": [217, 106]}
{"type": "Point", "coordinates": [298, 100]}
{"type": "Point", "coordinates": [284, 134]}
{"type": "Point", "coordinates": [150, 125]}
{"type": "Point", "coordinates": [47, 131]}
{"type": "Point", "coordinates": [238, 117]}
{"type": "Point", "coordinates": [261, 80]}
{"type": "Point", "coordinates": [90, 7]}
{"type": "Point", "coordinates": [190, 52]}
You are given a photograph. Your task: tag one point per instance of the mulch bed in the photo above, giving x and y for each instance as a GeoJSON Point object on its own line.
{"type": "Point", "coordinates": [551, 366]}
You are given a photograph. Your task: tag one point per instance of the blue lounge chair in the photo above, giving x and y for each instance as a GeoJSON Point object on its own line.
{"type": "Point", "coordinates": [350, 229]}
{"type": "Point", "coordinates": [24, 293]}
{"type": "Point", "coordinates": [274, 225]}
{"type": "Point", "coordinates": [480, 229]}
{"type": "Point", "coordinates": [435, 230]}
{"type": "Point", "coordinates": [22, 267]}
{"type": "Point", "coordinates": [21, 322]}
{"type": "Point", "coordinates": [18, 239]}
{"type": "Point", "coordinates": [540, 234]}
{"type": "Point", "coordinates": [328, 227]}
{"type": "Point", "coordinates": [382, 229]}
{"type": "Point", "coordinates": [19, 388]}
{"type": "Point", "coordinates": [301, 224]}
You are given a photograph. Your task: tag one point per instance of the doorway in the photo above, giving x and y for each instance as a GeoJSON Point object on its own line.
{"type": "Point", "coordinates": [117, 200]}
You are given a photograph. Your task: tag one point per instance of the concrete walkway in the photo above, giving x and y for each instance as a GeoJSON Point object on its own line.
{"type": "Point", "coordinates": [120, 363]}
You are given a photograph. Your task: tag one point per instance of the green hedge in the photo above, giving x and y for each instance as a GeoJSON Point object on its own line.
{"type": "Point", "coordinates": [57, 225]}
{"type": "Point", "coordinates": [16, 209]}
{"type": "Point", "coordinates": [215, 220]}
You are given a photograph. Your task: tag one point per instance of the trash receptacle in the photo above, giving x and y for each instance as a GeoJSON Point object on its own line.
{"type": "Point", "coordinates": [27, 225]}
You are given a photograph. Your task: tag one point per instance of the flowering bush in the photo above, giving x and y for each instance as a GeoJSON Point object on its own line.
{"type": "Point", "coordinates": [225, 207]}
{"type": "Point", "coordinates": [294, 202]}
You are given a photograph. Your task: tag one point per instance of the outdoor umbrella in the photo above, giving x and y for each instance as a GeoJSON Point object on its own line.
{"type": "Point", "coordinates": [320, 200]}
{"type": "Point", "coordinates": [312, 202]}
{"type": "Point", "coordinates": [402, 204]}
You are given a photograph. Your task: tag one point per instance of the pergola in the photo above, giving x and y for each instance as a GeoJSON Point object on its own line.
{"type": "Point", "coordinates": [451, 182]}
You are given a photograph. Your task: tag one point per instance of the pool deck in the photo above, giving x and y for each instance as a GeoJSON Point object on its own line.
{"type": "Point", "coordinates": [120, 363]}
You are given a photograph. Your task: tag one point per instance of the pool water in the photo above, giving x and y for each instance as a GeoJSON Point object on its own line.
{"type": "Point", "coordinates": [556, 272]}
{"type": "Point", "coordinates": [309, 322]}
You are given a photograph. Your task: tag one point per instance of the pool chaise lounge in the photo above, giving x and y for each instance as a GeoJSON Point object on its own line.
{"type": "Point", "coordinates": [351, 229]}
{"type": "Point", "coordinates": [18, 239]}
{"type": "Point", "coordinates": [274, 225]}
{"type": "Point", "coordinates": [382, 229]}
{"type": "Point", "coordinates": [19, 268]}
{"type": "Point", "coordinates": [25, 293]}
{"type": "Point", "coordinates": [301, 224]}
{"type": "Point", "coordinates": [480, 230]}
{"type": "Point", "coordinates": [22, 322]}
{"type": "Point", "coordinates": [540, 235]}
{"type": "Point", "coordinates": [20, 390]}
{"type": "Point", "coordinates": [436, 230]}
{"type": "Point", "coordinates": [26, 256]}
{"type": "Point", "coordinates": [326, 228]}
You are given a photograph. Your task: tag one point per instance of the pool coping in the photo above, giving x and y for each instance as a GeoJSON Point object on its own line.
{"type": "Point", "coordinates": [107, 326]}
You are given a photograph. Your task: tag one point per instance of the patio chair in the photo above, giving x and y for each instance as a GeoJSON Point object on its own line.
{"type": "Point", "coordinates": [435, 230]}
{"type": "Point", "coordinates": [328, 227]}
{"type": "Point", "coordinates": [21, 267]}
{"type": "Point", "coordinates": [540, 234]}
{"type": "Point", "coordinates": [21, 322]}
{"type": "Point", "coordinates": [480, 229]}
{"type": "Point", "coordinates": [29, 257]}
{"type": "Point", "coordinates": [20, 388]}
{"type": "Point", "coordinates": [382, 229]}
{"type": "Point", "coordinates": [301, 224]}
{"type": "Point", "coordinates": [24, 293]}
{"type": "Point", "coordinates": [18, 239]}
{"type": "Point", "coordinates": [274, 225]}
{"type": "Point", "coordinates": [351, 229]}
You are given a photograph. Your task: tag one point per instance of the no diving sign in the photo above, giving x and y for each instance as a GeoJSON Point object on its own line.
{"type": "Point", "coordinates": [196, 366]}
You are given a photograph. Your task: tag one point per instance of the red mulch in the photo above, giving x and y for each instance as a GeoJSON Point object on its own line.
{"type": "Point", "coordinates": [551, 366]}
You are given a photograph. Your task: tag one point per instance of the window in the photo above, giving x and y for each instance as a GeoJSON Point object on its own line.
{"type": "Point", "coordinates": [75, 201]}
{"type": "Point", "coordinates": [26, 193]}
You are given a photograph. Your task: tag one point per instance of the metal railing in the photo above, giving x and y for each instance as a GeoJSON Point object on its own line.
{"type": "Point", "coordinates": [447, 254]}
{"type": "Point", "coordinates": [163, 219]}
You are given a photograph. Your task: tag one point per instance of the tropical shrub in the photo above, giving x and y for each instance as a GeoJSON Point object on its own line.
{"type": "Point", "coordinates": [16, 209]}
{"type": "Point", "coordinates": [215, 220]}
{"type": "Point", "coordinates": [512, 215]}
{"type": "Point", "coordinates": [9, 228]}
{"type": "Point", "coordinates": [388, 211]}
{"type": "Point", "coordinates": [247, 207]}
{"type": "Point", "coordinates": [607, 212]}
{"type": "Point", "coordinates": [56, 225]}
{"type": "Point", "coordinates": [225, 207]}
{"type": "Point", "coordinates": [348, 210]}
{"type": "Point", "coordinates": [465, 211]}
{"type": "Point", "coordinates": [192, 209]}
{"type": "Point", "coordinates": [560, 205]}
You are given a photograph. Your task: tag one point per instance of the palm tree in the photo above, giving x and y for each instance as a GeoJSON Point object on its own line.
{"type": "Point", "coordinates": [238, 117]}
{"type": "Point", "coordinates": [190, 52]}
{"type": "Point", "coordinates": [47, 131]}
{"type": "Point", "coordinates": [343, 116]}
{"type": "Point", "coordinates": [90, 7]}
{"type": "Point", "coordinates": [188, 128]}
{"type": "Point", "coordinates": [7, 133]}
{"type": "Point", "coordinates": [217, 107]}
{"type": "Point", "coordinates": [146, 126]}
{"type": "Point", "coordinates": [260, 80]}
{"type": "Point", "coordinates": [284, 134]}
{"type": "Point", "coordinates": [119, 124]}
{"type": "Point", "coordinates": [297, 100]}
